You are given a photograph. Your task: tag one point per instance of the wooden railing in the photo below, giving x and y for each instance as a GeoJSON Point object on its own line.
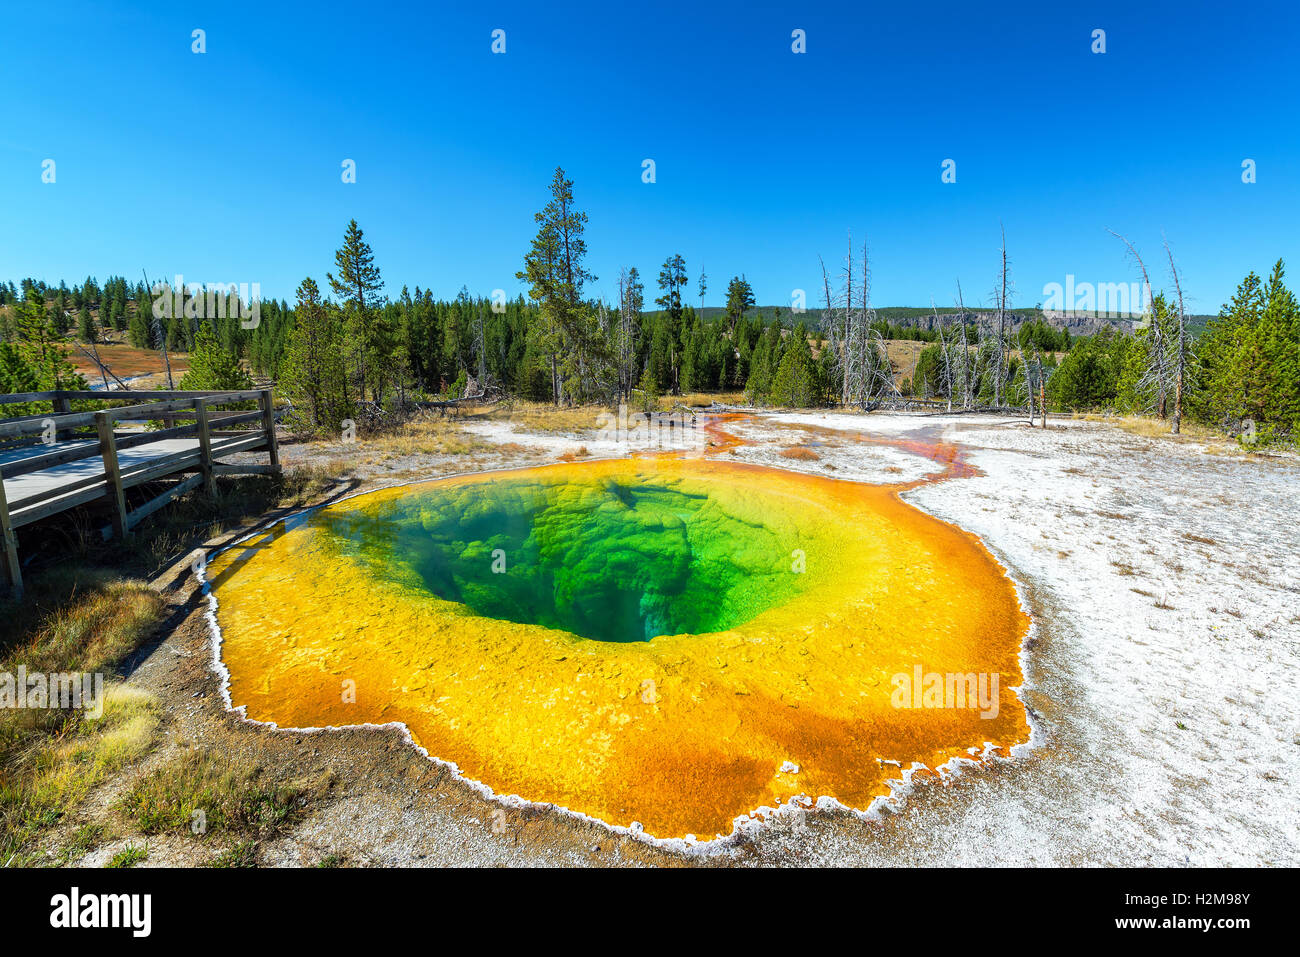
{"type": "Point", "coordinates": [62, 432]}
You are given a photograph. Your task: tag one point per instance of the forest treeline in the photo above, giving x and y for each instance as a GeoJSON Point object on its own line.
{"type": "Point", "coordinates": [343, 346]}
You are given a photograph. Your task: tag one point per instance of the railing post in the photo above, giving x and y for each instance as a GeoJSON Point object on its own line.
{"type": "Point", "coordinates": [205, 447]}
{"type": "Point", "coordinates": [268, 425]}
{"type": "Point", "coordinates": [112, 474]}
{"type": "Point", "coordinates": [9, 547]}
{"type": "Point", "coordinates": [62, 406]}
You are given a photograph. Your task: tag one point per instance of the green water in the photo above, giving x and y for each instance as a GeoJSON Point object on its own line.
{"type": "Point", "coordinates": [613, 559]}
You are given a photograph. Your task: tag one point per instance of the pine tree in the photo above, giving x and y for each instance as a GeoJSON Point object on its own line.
{"type": "Point", "coordinates": [59, 319]}
{"type": "Point", "coordinates": [1279, 342]}
{"type": "Point", "coordinates": [16, 374]}
{"type": "Point", "coordinates": [650, 391]}
{"type": "Point", "coordinates": [1249, 359]}
{"type": "Point", "coordinates": [358, 285]}
{"type": "Point", "coordinates": [795, 381]}
{"type": "Point", "coordinates": [672, 280]}
{"type": "Point", "coordinates": [41, 349]}
{"type": "Point", "coordinates": [212, 366]}
{"type": "Point", "coordinates": [312, 374]}
{"type": "Point", "coordinates": [627, 331]}
{"type": "Point", "coordinates": [139, 332]}
{"type": "Point", "coordinates": [763, 360]}
{"type": "Point", "coordinates": [580, 358]}
{"type": "Point", "coordinates": [86, 326]}
{"type": "Point", "coordinates": [740, 299]}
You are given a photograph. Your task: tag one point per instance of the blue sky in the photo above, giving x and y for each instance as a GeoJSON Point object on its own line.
{"type": "Point", "coordinates": [226, 166]}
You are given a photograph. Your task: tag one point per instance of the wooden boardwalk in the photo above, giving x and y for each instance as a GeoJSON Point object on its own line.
{"type": "Point", "coordinates": [51, 463]}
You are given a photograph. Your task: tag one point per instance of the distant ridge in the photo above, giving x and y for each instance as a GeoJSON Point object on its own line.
{"type": "Point", "coordinates": [923, 318]}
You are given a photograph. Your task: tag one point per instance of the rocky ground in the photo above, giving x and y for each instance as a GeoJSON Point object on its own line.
{"type": "Point", "coordinates": [1164, 584]}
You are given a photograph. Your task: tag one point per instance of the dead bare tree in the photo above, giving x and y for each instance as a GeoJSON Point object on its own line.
{"type": "Point", "coordinates": [1035, 377]}
{"type": "Point", "coordinates": [878, 380]}
{"type": "Point", "coordinates": [630, 301]}
{"type": "Point", "coordinates": [869, 376]}
{"type": "Point", "coordinates": [1029, 384]}
{"type": "Point", "coordinates": [969, 363]}
{"type": "Point", "coordinates": [1021, 384]}
{"type": "Point", "coordinates": [1000, 351]}
{"type": "Point", "coordinates": [847, 363]}
{"type": "Point", "coordinates": [830, 321]}
{"type": "Point", "coordinates": [104, 370]}
{"type": "Point", "coordinates": [1182, 352]}
{"type": "Point", "coordinates": [866, 358]}
{"type": "Point", "coordinates": [859, 352]}
{"type": "Point", "coordinates": [1042, 393]}
{"type": "Point", "coordinates": [160, 334]}
{"type": "Point", "coordinates": [1156, 374]}
{"type": "Point", "coordinates": [944, 353]}
{"type": "Point", "coordinates": [840, 324]}
{"type": "Point", "coordinates": [856, 353]}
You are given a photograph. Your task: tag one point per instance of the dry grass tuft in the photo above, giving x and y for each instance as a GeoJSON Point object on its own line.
{"type": "Point", "coordinates": [225, 797]}
{"type": "Point", "coordinates": [46, 777]}
{"type": "Point", "coordinates": [423, 436]}
{"type": "Point", "coordinates": [701, 399]}
{"type": "Point", "coordinates": [78, 620]}
{"type": "Point", "coordinates": [1153, 427]}
{"type": "Point", "coordinates": [90, 629]}
{"type": "Point", "coordinates": [544, 417]}
{"type": "Point", "coordinates": [800, 452]}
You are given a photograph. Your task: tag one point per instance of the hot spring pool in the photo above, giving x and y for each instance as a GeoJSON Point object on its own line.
{"type": "Point", "coordinates": [642, 640]}
{"type": "Point", "coordinates": [621, 558]}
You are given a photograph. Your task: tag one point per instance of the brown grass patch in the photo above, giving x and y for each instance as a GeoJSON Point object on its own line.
{"type": "Point", "coordinates": [800, 452]}
{"type": "Point", "coordinates": [127, 361]}
{"type": "Point", "coordinates": [1152, 427]}
{"type": "Point", "coordinates": [696, 399]}
{"type": "Point", "coordinates": [544, 417]}
{"type": "Point", "coordinates": [424, 436]}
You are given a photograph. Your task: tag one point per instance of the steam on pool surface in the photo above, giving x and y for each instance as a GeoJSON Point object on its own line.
{"type": "Point", "coordinates": [638, 640]}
